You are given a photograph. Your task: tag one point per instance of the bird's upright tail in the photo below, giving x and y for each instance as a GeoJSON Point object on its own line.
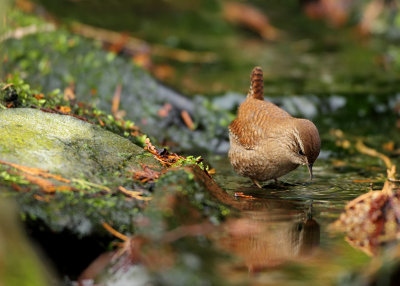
{"type": "Point", "coordinates": [257, 84]}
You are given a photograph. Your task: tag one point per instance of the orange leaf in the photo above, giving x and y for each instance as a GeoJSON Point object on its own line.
{"type": "Point", "coordinates": [64, 109]}
{"type": "Point", "coordinates": [187, 119]}
{"type": "Point", "coordinates": [39, 96]}
{"type": "Point", "coordinates": [69, 93]}
{"type": "Point", "coordinates": [40, 198]}
{"type": "Point", "coordinates": [115, 101]}
{"type": "Point", "coordinates": [163, 111]}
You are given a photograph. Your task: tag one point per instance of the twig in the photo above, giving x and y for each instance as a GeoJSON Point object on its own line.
{"type": "Point", "coordinates": [90, 184]}
{"type": "Point", "coordinates": [35, 171]}
{"type": "Point", "coordinates": [25, 31]}
{"type": "Point", "coordinates": [391, 169]}
{"type": "Point", "coordinates": [134, 194]}
{"type": "Point", "coordinates": [116, 100]}
{"type": "Point", "coordinates": [133, 45]}
{"type": "Point", "coordinates": [114, 232]}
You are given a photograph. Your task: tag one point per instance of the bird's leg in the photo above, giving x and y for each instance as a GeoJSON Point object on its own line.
{"type": "Point", "coordinates": [256, 183]}
{"type": "Point", "coordinates": [276, 181]}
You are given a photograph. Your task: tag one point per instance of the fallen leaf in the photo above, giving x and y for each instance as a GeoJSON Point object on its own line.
{"type": "Point", "coordinates": [251, 18]}
{"type": "Point", "coordinates": [164, 72]}
{"type": "Point", "coordinates": [187, 119]}
{"type": "Point", "coordinates": [39, 96]}
{"type": "Point", "coordinates": [370, 14]}
{"type": "Point", "coordinates": [119, 43]}
{"type": "Point", "coordinates": [146, 174]}
{"type": "Point", "coordinates": [143, 60]}
{"type": "Point", "coordinates": [389, 146]}
{"type": "Point", "coordinates": [134, 194]}
{"type": "Point", "coordinates": [164, 111]}
{"type": "Point", "coordinates": [40, 198]}
{"type": "Point", "coordinates": [69, 93]}
{"type": "Point", "coordinates": [64, 109]}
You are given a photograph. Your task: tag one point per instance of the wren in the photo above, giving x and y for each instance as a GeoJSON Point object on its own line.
{"type": "Point", "coordinates": [266, 142]}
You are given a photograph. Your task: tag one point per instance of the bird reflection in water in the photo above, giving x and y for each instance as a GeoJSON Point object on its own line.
{"type": "Point", "coordinates": [272, 234]}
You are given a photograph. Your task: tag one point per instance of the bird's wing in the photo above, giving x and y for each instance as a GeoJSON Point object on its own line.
{"type": "Point", "coordinates": [253, 121]}
{"type": "Point", "coordinates": [247, 135]}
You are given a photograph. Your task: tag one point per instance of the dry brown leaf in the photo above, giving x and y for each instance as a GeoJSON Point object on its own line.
{"type": "Point", "coordinates": [143, 60]}
{"type": "Point", "coordinates": [250, 17]}
{"type": "Point", "coordinates": [69, 93]}
{"type": "Point", "coordinates": [119, 43]}
{"type": "Point", "coordinates": [163, 156]}
{"type": "Point", "coordinates": [64, 109]}
{"type": "Point", "coordinates": [134, 194]}
{"type": "Point", "coordinates": [39, 96]}
{"type": "Point", "coordinates": [371, 12]}
{"type": "Point", "coordinates": [373, 219]}
{"type": "Point", "coordinates": [164, 72]}
{"type": "Point", "coordinates": [41, 198]}
{"type": "Point", "coordinates": [146, 175]}
{"type": "Point", "coordinates": [115, 103]}
{"type": "Point", "coordinates": [389, 146]}
{"type": "Point", "coordinates": [164, 111]}
{"type": "Point", "coordinates": [187, 119]}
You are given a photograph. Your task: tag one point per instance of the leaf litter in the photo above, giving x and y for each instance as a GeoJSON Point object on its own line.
{"type": "Point", "coordinates": [372, 220]}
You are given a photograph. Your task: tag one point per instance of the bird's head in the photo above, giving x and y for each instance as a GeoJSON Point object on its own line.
{"type": "Point", "coordinates": [305, 143]}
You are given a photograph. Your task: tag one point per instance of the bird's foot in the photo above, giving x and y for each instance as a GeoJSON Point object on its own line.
{"type": "Point", "coordinates": [256, 183]}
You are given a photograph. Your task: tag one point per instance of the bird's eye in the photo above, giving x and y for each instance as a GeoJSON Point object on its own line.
{"type": "Point", "coordinates": [301, 152]}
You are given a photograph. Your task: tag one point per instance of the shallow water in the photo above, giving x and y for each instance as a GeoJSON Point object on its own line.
{"type": "Point", "coordinates": [283, 231]}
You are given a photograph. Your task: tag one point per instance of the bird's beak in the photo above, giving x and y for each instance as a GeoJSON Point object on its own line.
{"type": "Point", "coordinates": [309, 166]}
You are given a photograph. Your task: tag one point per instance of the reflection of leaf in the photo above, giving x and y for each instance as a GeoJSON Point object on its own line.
{"type": "Point", "coordinates": [373, 219]}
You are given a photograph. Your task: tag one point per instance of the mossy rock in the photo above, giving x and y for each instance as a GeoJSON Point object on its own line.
{"type": "Point", "coordinates": [63, 144]}
{"type": "Point", "coordinates": [91, 161]}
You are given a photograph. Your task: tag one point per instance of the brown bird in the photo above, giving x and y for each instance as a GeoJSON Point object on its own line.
{"type": "Point", "coordinates": [266, 142]}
